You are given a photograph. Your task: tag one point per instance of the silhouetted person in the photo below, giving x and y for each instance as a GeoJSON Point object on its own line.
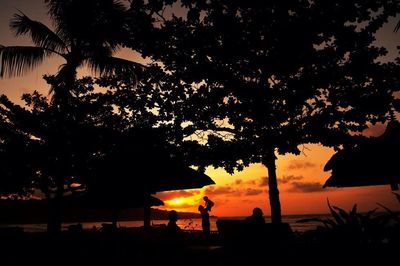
{"type": "Point", "coordinates": [257, 217]}
{"type": "Point", "coordinates": [208, 203]}
{"type": "Point", "coordinates": [175, 234]}
{"type": "Point", "coordinates": [75, 228]}
{"type": "Point", "coordinates": [172, 226]}
{"type": "Point", "coordinates": [205, 220]}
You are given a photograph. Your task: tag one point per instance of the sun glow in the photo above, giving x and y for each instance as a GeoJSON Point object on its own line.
{"type": "Point", "coordinates": [176, 202]}
{"type": "Point", "coordinates": [183, 203]}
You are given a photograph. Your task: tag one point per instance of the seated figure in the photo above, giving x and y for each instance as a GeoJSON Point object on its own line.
{"type": "Point", "coordinates": [253, 231]}
{"type": "Point", "coordinates": [257, 217]}
{"type": "Point", "coordinates": [172, 226]}
{"type": "Point", "coordinates": [75, 228]}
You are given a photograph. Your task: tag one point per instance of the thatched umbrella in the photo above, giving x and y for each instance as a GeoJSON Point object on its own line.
{"type": "Point", "coordinates": [141, 163]}
{"type": "Point", "coordinates": [373, 161]}
{"type": "Point", "coordinates": [132, 186]}
{"type": "Point", "coordinates": [111, 200]}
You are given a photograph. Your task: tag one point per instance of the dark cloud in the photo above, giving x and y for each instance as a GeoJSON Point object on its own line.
{"type": "Point", "coordinates": [306, 187]}
{"type": "Point", "coordinates": [289, 178]}
{"type": "Point", "coordinates": [212, 190]}
{"type": "Point", "coordinates": [263, 181]}
{"type": "Point", "coordinates": [253, 192]}
{"type": "Point", "coordinates": [238, 188]}
{"type": "Point", "coordinates": [251, 182]}
{"type": "Point", "coordinates": [238, 181]}
{"type": "Point", "coordinates": [175, 194]}
{"type": "Point", "coordinates": [297, 164]}
{"type": "Point", "coordinates": [245, 182]}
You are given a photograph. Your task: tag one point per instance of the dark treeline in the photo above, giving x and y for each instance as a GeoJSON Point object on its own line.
{"type": "Point", "coordinates": [34, 212]}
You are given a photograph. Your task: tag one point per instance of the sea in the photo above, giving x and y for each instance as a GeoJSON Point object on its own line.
{"type": "Point", "coordinates": [186, 224]}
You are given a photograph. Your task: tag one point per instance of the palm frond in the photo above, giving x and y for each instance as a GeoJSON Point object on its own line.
{"type": "Point", "coordinates": [40, 34]}
{"type": "Point", "coordinates": [87, 20]}
{"type": "Point", "coordinates": [55, 8]}
{"type": "Point", "coordinates": [334, 214]}
{"type": "Point", "coordinates": [397, 196]}
{"type": "Point", "coordinates": [397, 28]}
{"type": "Point", "coordinates": [113, 65]}
{"type": "Point", "coordinates": [17, 60]}
{"type": "Point", "coordinates": [353, 211]}
{"type": "Point", "coordinates": [386, 208]}
{"type": "Point", "coordinates": [342, 213]}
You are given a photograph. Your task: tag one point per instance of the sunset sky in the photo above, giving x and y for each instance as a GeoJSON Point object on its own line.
{"type": "Point", "coordinates": [300, 178]}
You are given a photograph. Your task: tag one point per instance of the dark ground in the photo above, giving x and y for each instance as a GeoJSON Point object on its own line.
{"type": "Point", "coordinates": [137, 247]}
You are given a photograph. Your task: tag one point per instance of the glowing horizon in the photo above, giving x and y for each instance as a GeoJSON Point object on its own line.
{"type": "Point", "coordinates": [300, 180]}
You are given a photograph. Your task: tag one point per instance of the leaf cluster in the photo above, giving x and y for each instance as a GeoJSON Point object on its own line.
{"type": "Point", "coordinates": [353, 227]}
{"type": "Point", "coordinates": [272, 75]}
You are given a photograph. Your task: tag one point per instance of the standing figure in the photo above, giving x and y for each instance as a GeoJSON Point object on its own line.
{"type": "Point", "coordinates": [205, 220]}
{"type": "Point", "coordinates": [208, 203]}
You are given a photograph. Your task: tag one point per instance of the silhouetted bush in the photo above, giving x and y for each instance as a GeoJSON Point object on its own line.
{"type": "Point", "coordinates": [352, 227]}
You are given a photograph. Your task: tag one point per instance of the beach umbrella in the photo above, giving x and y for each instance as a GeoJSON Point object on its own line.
{"type": "Point", "coordinates": [112, 200]}
{"type": "Point", "coordinates": [372, 161]}
{"type": "Point", "coordinates": [140, 162]}
{"type": "Point", "coordinates": [145, 179]}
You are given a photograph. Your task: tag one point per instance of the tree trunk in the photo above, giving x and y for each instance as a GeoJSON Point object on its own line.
{"type": "Point", "coordinates": [114, 217]}
{"type": "Point", "coordinates": [55, 204]}
{"type": "Point", "coordinates": [147, 217]}
{"type": "Point", "coordinates": [61, 101]}
{"type": "Point", "coordinates": [274, 201]}
{"type": "Point", "coordinates": [54, 221]}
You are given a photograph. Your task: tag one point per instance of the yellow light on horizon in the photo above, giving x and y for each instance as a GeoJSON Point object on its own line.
{"type": "Point", "coordinates": [175, 202]}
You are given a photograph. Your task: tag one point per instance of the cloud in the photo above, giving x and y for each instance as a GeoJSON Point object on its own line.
{"type": "Point", "coordinates": [180, 206]}
{"type": "Point", "coordinates": [253, 192]}
{"type": "Point", "coordinates": [298, 164]}
{"type": "Point", "coordinates": [175, 194]}
{"type": "Point", "coordinates": [223, 190]}
{"type": "Point", "coordinates": [289, 178]}
{"type": "Point", "coordinates": [238, 188]}
{"type": "Point", "coordinates": [251, 182]}
{"type": "Point", "coordinates": [263, 181]}
{"type": "Point", "coordinates": [231, 191]}
{"type": "Point", "coordinates": [245, 182]}
{"type": "Point", "coordinates": [306, 187]}
{"type": "Point", "coordinates": [238, 181]}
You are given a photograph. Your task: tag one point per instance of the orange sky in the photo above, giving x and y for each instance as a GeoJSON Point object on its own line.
{"type": "Point", "coordinates": [300, 177]}
{"type": "Point", "coordinates": [300, 180]}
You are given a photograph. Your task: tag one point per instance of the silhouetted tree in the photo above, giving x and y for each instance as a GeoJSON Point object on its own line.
{"type": "Point", "coordinates": [108, 136]}
{"type": "Point", "coordinates": [17, 166]}
{"type": "Point", "coordinates": [260, 77]}
{"type": "Point", "coordinates": [86, 33]}
{"type": "Point", "coordinates": [30, 148]}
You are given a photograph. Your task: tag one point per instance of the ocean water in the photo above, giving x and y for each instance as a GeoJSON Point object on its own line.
{"type": "Point", "coordinates": [187, 224]}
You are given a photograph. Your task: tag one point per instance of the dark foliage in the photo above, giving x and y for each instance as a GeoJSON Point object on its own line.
{"type": "Point", "coordinates": [254, 78]}
{"type": "Point", "coordinates": [349, 228]}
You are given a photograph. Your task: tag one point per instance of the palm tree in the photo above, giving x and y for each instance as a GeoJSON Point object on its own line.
{"type": "Point", "coordinates": [86, 33]}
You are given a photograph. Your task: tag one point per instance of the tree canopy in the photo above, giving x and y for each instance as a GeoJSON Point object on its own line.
{"type": "Point", "coordinates": [85, 34]}
{"type": "Point", "coordinates": [272, 75]}
{"type": "Point", "coordinates": [232, 82]}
